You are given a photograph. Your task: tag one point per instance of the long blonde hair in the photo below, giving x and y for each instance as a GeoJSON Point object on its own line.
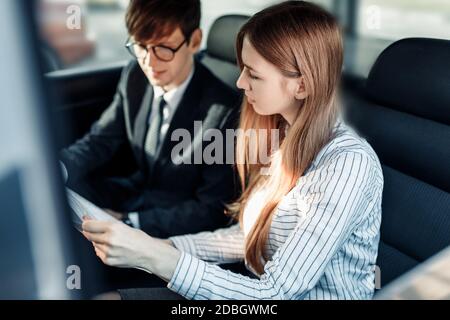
{"type": "Point", "coordinates": [301, 39]}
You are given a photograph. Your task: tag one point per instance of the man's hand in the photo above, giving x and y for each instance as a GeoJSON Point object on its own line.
{"type": "Point", "coordinates": [115, 214]}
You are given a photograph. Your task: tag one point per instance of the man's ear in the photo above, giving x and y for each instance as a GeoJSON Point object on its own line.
{"type": "Point", "coordinates": [196, 40]}
{"type": "Point", "coordinates": [301, 91]}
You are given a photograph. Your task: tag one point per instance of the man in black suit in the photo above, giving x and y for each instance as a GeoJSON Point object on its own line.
{"type": "Point", "coordinates": [162, 91]}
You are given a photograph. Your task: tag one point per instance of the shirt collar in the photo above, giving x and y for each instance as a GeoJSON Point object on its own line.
{"type": "Point", "coordinates": [173, 96]}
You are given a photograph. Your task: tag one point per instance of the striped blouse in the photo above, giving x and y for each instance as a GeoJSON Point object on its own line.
{"type": "Point", "coordinates": [323, 240]}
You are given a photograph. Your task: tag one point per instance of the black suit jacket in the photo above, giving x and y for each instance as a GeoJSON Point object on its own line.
{"type": "Point", "coordinates": [179, 198]}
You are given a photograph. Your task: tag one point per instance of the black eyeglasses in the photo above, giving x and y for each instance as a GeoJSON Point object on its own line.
{"type": "Point", "coordinates": [140, 51]}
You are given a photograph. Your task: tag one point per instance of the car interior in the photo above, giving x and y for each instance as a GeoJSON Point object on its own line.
{"type": "Point", "coordinates": [401, 108]}
{"type": "Point", "coordinates": [400, 104]}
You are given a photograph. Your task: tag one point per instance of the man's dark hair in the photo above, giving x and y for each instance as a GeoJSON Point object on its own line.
{"type": "Point", "coordinates": [149, 20]}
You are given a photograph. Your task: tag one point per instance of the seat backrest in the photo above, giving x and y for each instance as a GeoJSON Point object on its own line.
{"type": "Point", "coordinates": [404, 112]}
{"type": "Point", "coordinates": [220, 53]}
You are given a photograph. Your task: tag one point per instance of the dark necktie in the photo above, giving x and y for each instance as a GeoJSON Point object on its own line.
{"type": "Point", "coordinates": [152, 139]}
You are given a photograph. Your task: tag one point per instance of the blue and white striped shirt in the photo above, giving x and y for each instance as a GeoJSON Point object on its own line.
{"type": "Point", "coordinates": [323, 240]}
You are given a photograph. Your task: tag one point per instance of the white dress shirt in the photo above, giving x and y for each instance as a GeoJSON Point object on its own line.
{"type": "Point", "coordinates": [173, 98]}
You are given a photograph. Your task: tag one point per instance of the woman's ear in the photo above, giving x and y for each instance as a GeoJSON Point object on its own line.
{"type": "Point", "coordinates": [196, 40]}
{"type": "Point", "coordinates": [301, 92]}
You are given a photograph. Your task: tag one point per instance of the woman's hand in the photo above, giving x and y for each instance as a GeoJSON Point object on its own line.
{"type": "Point", "coordinates": [119, 245]}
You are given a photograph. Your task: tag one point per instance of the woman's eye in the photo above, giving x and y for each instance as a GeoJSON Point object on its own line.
{"type": "Point", "coordinates": [253, 77]}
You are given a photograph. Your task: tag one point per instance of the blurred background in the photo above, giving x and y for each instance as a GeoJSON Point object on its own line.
{"type": "Point", "coordinates": [370, 25]}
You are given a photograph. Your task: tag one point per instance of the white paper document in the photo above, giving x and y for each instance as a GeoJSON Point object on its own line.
{"type": "Point", "coordinates": [81, 207]}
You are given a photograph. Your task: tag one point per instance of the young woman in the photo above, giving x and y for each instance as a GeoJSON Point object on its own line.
{"type": "Point", "coordinates": [309, 226]}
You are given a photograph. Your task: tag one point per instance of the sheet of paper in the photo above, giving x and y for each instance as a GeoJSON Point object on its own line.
{"type": "Point", "coordinates": [81, 207]}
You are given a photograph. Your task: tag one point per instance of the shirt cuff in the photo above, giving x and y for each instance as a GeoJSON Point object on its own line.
{"type": "Point", "coordinates": [188, 276]}
{"type": "Point", "coordinates": [134, 219]}
{"type": "Point", "coordinates": [185, 244]}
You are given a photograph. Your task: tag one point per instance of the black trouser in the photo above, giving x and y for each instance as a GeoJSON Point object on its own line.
{"type": "Point", "coordinates": [163, 293]}
{"type": "Point", "coordinates": [149, 294]}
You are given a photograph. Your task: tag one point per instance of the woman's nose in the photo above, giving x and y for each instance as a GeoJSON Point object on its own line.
{"type": "Point", "coordinates": [242, 83]}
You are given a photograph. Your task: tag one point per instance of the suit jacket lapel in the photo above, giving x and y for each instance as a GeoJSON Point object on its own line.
{"type": "Point", "coordinates": [142, 120]}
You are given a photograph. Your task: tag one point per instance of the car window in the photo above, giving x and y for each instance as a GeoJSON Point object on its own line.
{"type": "Point", "coordinates": [397, 19]}
{"type": "Point", "coordinates": [92, 32]}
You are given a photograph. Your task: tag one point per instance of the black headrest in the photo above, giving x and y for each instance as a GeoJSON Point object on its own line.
{"type": "Point", "coordinates": [413, 76]}
{"type": "Point", "coordinates": [222, 37]}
